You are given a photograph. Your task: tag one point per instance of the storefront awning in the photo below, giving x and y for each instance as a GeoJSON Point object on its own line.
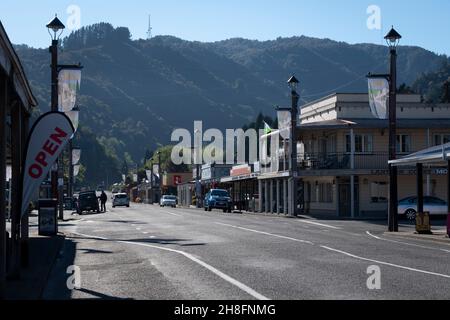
{"type": "Point", "coordinates": [435, 155]}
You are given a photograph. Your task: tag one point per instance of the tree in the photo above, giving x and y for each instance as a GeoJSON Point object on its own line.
{"type": "Point", "coordinates": [404, 89]}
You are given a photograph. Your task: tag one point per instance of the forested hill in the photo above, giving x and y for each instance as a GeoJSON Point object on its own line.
{"type": "Point", "coordinates": [135, 92]}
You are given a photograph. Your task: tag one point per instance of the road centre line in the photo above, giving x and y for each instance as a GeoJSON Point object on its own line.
{"type": "Point", "coordinates": [217, 272]}
{"type": "Point", "coordinates": [405, 243]}
{"type": "Point", "coordinates": [386, 263]}
{"type": "Point", "coordinates": [171, 213]}
{"type": "Point", "coordinates": [265, 233]}
{"type": "Point", "coordinates": [319, 224]}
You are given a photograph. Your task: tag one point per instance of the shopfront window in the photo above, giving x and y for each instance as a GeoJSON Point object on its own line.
{"type": "Point", "coordinates": [363, 143]}
{"type": "Point", "coordinates": [379, 192]}
{"type": "Point", "coordinates": [440, 139]}
{"type": "Point", "coordinates": [403, 143]}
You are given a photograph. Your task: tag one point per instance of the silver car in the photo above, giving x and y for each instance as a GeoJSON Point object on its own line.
{"type": "Point", "coordinates": [433, 205]}
{"type": "Point", "coordinates": [168, 201]}
{"type": "Point", "coordinates": [121, 200]}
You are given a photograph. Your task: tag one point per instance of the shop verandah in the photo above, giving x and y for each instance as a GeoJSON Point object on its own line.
{"type": "Point", "coordinates": [436, 156]}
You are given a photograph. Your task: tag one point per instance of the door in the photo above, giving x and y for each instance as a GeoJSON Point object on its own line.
{"type": "Point", "coordinates": [344, 198]}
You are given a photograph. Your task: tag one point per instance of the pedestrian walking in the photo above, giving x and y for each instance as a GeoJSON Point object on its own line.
{"type": "Point", "coordinates": [103, 199]}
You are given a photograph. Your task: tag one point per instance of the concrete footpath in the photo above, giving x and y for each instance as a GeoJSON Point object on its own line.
{"type": "Point", "coordinates": [43, 252]}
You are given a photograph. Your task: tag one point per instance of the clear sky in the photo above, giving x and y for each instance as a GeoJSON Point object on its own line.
{"type": "Point", "coordinates": [424, 23]}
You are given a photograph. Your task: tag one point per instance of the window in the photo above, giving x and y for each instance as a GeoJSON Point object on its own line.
{"type": "Point", "coordinates": [324, 192]}
{"type": "Point", "coordinates": [379, 192]}
{"type": "Point", "coordinates": [441, 139]}
{"type": "Point", "coordinates": [363, 143]}
{"type": "Point", "coordinates": [403, 143]}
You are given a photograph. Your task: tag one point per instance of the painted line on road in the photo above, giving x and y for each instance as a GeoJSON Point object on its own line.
{"type": "Point", "coordinates": [265, 233]}
{"type": "Point", "coordinates": [319, 224]}
{"type": "Point", "coordinates": [387, 263]}
{"type": "Point", "coordinates": [171, 213]}
{"type": "Point", "coordinates": [405, 243]}
{"type": "Point", "coordinates": [217, 272]}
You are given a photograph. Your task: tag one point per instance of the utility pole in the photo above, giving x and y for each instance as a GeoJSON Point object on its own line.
{"type": "Point", "coordinates": [293, 83]}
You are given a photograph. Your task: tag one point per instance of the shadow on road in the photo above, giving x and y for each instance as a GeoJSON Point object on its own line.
{"type": "Point", "coordinates": [99, 295]}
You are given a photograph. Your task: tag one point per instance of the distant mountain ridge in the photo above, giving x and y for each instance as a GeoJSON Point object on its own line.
{"type": "Point", "coordinates": [134, 93]}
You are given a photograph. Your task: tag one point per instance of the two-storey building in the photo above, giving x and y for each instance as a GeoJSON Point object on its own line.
{"type": "Point", "coordinates": [343, 156]}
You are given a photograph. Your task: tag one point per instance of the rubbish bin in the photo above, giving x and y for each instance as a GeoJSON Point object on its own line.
{"type": "Point", "coordinates": [48, 217]}
{"type": "Point", "coordinates": [423, 225]}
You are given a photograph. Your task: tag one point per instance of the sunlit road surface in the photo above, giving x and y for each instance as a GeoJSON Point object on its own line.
{"type": "Point", "coordinates": [148, 252]}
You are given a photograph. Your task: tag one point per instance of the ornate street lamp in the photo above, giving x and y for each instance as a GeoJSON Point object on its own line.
{"type": "Point", "coordinates": [55, 29]}
{"type": "Point", "coordinates": [393, 40]}
{"type": "Point", "coordinates": [293, 85]}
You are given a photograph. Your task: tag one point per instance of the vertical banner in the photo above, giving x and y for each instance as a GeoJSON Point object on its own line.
{"type": "Point", "coordinates": [378, 97]}
{"type": "Point", "coordinates": [76, 156]}
{"type": "Point", "coordinates": [135, 178]}
{"type": "Point", "coordinates": [74, 116]}
{"type": "Point", "coordinates": [285, 123]}
{"type": "Point", "coordinates": [76, 170]}
{"type": "Point", "coordinates": [68, 85]}
{"type": "Point", "coordinates": [124, 178]}
{"type": "Point", "coordinates": [156, 170]}
{"type": "Point", "coordinates": [149, 174]}
{"type": "Point", "coordinates": [48, 137]}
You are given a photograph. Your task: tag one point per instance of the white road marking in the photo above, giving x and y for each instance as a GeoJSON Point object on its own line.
{"type": "Point", "coordinates": [217, 272]}
{"type": "Point", "coordinates": [138, 229]}
{"type": "Point", "coordinates": [171, 213]}
{"type": "Point", "coordinates": [406, 243]}
{"type": "Point", "coordinates": [318, 224]}
{"type": "Point", "coordinates": [266, 233]}
{"type": "Point", "coordinates": [386, 263]}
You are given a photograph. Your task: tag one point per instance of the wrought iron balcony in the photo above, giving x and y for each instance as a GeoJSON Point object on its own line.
{"type": "Point", "coordinates": [343, 161]}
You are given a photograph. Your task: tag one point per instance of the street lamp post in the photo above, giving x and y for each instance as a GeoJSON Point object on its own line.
{"type": "Point", "coordinates": [393, 39]}
{"type": "Point", "coordinates": [160, 174]}
{"type": "Point", "coordinates": [55, 29]}
{"type": "Point", "coordinates": [293, 84]}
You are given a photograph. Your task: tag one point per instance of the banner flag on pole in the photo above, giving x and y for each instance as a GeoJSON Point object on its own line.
{"type": "Point", "coordinates": [74, 116]}
{"type": "Point", "coordinates": [76, 156]}
{"type": "Point", "coordinates": [76, 170]}
{"type": "Point", "coordinates": [68, 85]}
{"type": "Point", "coordinates": [48, 137]}
{"type": "Point", "coordinates": [267, 128]}
{"type": "Point", "coordinates": [378, 97]}
{"type": "Point", "coordinates": [149, 174]}
{"type": "Point", "coordinates": [285, 123]}
{"type": "Point", "coordinates": [135, 178]}
{"type": "Point", "coordinates": [156, 170]}
{"type": "Point", "coordinates": [124, 178]}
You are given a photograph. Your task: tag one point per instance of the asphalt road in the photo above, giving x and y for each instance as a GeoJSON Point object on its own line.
{"type": "Point", "coordinates": [147, 252]}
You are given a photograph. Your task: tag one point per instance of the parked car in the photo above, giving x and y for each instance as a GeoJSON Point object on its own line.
{"type": "Point", "coordinates": [121, 200]}
{"type": "Point", "coordinates": [88, 202]}
{"type": "Point", "coordinates": [433, 205]}
{"type": "Point", "coordinates": [168, 201]}
{"type": "Point", "coordinates": [218, 199]}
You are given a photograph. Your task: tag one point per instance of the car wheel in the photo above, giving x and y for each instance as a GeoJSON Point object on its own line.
{"type": "Point", "coordinates": [206, 209]}
{"type": "Point", "coordinates": [410, 214]}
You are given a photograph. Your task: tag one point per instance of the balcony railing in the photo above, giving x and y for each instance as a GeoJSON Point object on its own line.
{"type": "Point", "coordinates": [343, 161]}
